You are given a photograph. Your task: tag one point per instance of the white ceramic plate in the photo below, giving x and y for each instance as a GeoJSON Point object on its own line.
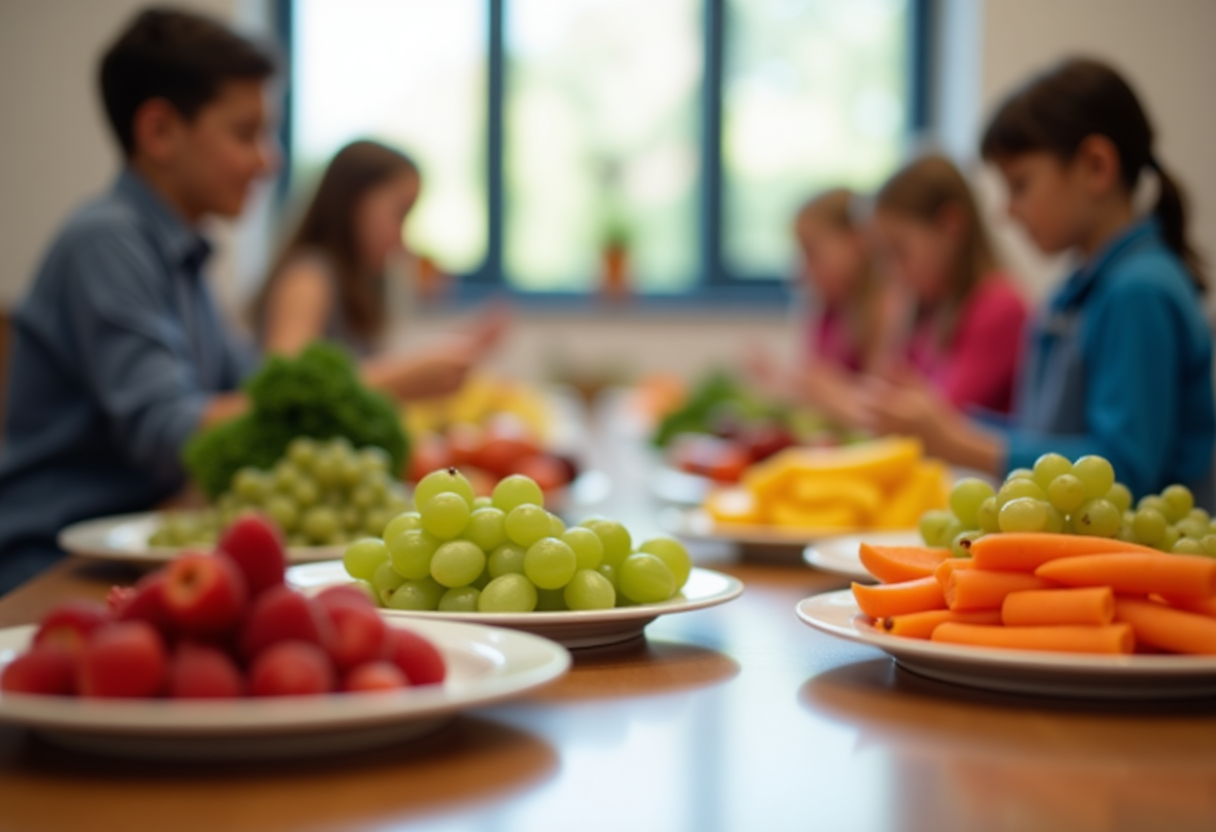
{"type": "Point", "coordinates": [485, 664]}
{"type": "Point", "coordinates": [124, 537]}
{"type": "Point", "coordinates": [671, 485]}
{"type": "Point", "coordinates": [839, 555]}
{"type": "Point", "coordinates": [1019, 671]}
{"type": "Point", "coordinates": [584, 628]}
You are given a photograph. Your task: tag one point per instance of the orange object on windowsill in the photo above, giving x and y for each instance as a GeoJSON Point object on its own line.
{"type": "Point", "coordinates": [615, 281]}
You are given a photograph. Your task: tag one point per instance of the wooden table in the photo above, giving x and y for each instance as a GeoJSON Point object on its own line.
{"type": "Point", "coordinates": [737, 717]}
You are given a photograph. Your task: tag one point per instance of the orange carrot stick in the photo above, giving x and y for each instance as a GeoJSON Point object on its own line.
{"type": "Point", "coordinates": [1136, 574]}
{"type": "Point", "coordinates": [1192, 603]}
{"type": "Point", "coordinates": [1027, 551]}
{"type": "Point", "coordinates": [1113, 638]}
{"type": "Point", "coordinates": [1160, 626]}
{"type": "Point", "coordinates": [922, 624]}
{"type": "Point", "coordinates": [977, 589]}
{"type": "Point", "coordinates": [892, 564]}
{"type": "Point", "coordinates": [1092, 606]}
{"type": "Point", "coordinates": [889, 600]}
{"type": "Point", "coordinates": [947, 567]}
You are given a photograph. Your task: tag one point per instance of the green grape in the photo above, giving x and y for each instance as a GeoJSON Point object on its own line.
{"type": "Point", "coordinates": [404, 522]}
{"type": "Point", "coordinates": [1208, 542]}
{"type": "Point", "coordinates": [350, 518]}
{"type": "Point", "coordinates": [411, 551]}
{"type": "Point", "coordinates": [508, 593]}
{"type": "Point", "coordinates": [347, 471]}
{"type": "Point", "coordinates": [363, 557]}
{"type": "Point", "coordinates": [482, 502]}
{"type": "Point", "coordinates": [965, 499]}
{"type": "Point", "coordinates": [588, 550]}
{"type": "Point", "coordinates": [282, 511]}
{"type": "Point", "coordinates": [460, 599]}
{"type": "Point", "coordinates": [484, 578]}
{"type": "Point", "coordinates": [374, 460]}
{"type": "Point", "coordinates": [366, 587]}
{"type": "Point", "coordinates": [557, 526]}
{"type": "Point", "coordinates": [302, 452]}
{"type": "Point", "coordinates": [1055, 520]}
{"type": "Point", "coordinates": [1023, 514]}
{"type": "Point", "coordinates": [1066, 493]}
{"type": "Point", "coordinates": [298, 540]}
{"type": "Point", "coordinates": [1097, 475]}
{"type": "Point", "coordinates": [589, 590]}
{"type": "Point", "coordinates": [1187, 546]}
{"type": "Point", "coordinates": [1126, 533]}
{"type": "Point", "coordinates": [516, 490]}
{"type": "Point", "coordinates": [445, 515]}
{"type": "Point", "coordinates": [672, 553]}
{"type": "Point", "coordinates": [1120, 495]}
{"type": "Point", "coordinates": [385, 581]}
{"type": "Point", "coordinates": [284, 476]}
{"type": "Point", "coordinates": [397, 501]}
{"type": "Point", "coordinates": [417, 595]}
{"type": "Point", "coordinates": [457, 563]}
{"type": "Point", "coordinates": [617, 543]}
{"type": "Point", "coordinates": [304, 492]}
{"type": "Point", "coordinates": [250, 484]}
{"type": "Point", "coordinates": [1152, 501]}
{"type": "Point", "coordinates": [375, 519]}
{"type": "Point", "coordinates": [320, 524]}
{"type": "Point", "coordinates": [339, 446]}
{"type": "Point", "coordinates": [1167, 541]}
{"type": "Point", "coordinates": [527, 523]}
{"type": "Point", "coordinates": [506, 559]}
{"type": "Point", "coordinates": [1192, 527]}
{"type": "Point", "coordinates": [364, 497]}
{"type": "Point", "coordinates": [986, 518]}
{"type": "Point", "coordinates": [933, 525]}
{"type": "Point", "coordinates": [645, 578]}
{"type": "Point", "coordinates": [609, 572]}
{"type": "Point", "coordinates": [486, 528]}
{"type": "Point", "coordinates": [1098, 518]}
{"type": "Point", "coordinates": [550, 600]}
{"type": "Point", "coordinates": [438, 482]}
{"type": "Point", "coordinates": [1178, 502]}
{"type": "Point", "coordinates": [960, 546]}
{"type": "Point", "coordinates": [1019, 474]}
{"type": "Point", "coordinates": [1048, 467]}
{"type": "Point", "coordinates": [1017, 489]}
{"type": "Point", "coordinates": [549, 563]}
{"type": "Point", "coordinates": [325, 469]}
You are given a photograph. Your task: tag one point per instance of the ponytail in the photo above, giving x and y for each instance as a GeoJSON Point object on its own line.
{"type": "Point", "coordinates": [1171, 213]}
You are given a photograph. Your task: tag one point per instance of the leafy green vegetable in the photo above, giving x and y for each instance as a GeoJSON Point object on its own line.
{"type": "Point", "coordinates": [718, 392]}
{"type": "Point", "coordinates": [317, 394]}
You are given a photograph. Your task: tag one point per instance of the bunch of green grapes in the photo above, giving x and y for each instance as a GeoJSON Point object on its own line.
{"type": "Point", "coordinates": [321, 493]}
{"type": "Point", "coordinates": [506, 553]}
{"type": "Point", "coordinates": [1079, 497]}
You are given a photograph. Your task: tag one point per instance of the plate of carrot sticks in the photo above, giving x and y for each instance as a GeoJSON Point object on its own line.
{"type": "Point", "coordinates": [841, 555]}
{"type": "Point", "coordinates": [1063, 615]}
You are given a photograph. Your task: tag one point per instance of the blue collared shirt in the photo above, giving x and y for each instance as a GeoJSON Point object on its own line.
{"type": "Point", "coordinates": [1120, 364]}
{"type": "Point", "coordinates": [117, 349]}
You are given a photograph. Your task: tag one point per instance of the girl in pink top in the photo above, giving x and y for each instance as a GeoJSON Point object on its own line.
{"type": "Point", "coordinates": [964, 318]}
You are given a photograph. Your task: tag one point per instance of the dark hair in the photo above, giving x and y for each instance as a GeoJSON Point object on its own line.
{"type": "Point", "coordinates": [1079, 98]}
{"type": "Point", "coordinates": [179, 56]}
{"type": "Point", "coordinates": [327, 230]}
{"type": "Point", "coordinates": [921, 190]}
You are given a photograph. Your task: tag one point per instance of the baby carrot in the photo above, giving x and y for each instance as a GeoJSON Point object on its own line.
{"type": "Point", "coordinates": [1113, 638]}
{"type": "Point", "coordinates": [888, 600]}
{"type": "Point", "coordinates": [1136, 574]}
{"type": "Point", "coordinates": [922, 624]}
{"type": "Point", "coordinates": [1160, 626]}
{"type": "Point", "coordinates": [977, 589]}
{"type": "Point", "coordinates": [1027, 551]}
{"type": "Point", "coordinates": [1192, 603]}
{"type": "Point", "coordinates": [947, 567]}
{"type": "Point", "coordinates": [1094, 606]}
{"type": "Point", "coordinates": [891, 564]}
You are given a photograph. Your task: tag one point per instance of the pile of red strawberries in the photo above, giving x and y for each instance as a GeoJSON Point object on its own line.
{"type": "Point", "coordinates": [222, 625]}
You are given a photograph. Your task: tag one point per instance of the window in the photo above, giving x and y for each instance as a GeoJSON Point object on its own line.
{"type": "Point", "coordinates": [685, 131]}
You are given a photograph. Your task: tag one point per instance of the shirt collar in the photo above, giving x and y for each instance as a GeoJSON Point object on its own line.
{"type": "Point", "coordinates": [182, 244]}
{"type": "Point", "coordinates": [1083, 278]}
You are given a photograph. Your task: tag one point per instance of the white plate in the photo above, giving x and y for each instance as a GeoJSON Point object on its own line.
{"type": "Point", "coordinates": [124, 537]}
{"type": "Point", "coordinates": [671, 485]}
{"type": "Point", "coordinates": [1018, 671]}
{"type": "Point", "coordinates": [485, 664]}
{"type": "Point", "coordinates": [696, 524]}
{"type": "Point", "coordinates": [839, 555]}
{"type": "Point", "coordinates": [584, 628]}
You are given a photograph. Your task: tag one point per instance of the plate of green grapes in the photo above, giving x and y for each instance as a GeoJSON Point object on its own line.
{"type": "Point", "coordinates": [503, 559]}
{"type": "Point", "coordinates": [322, 493]}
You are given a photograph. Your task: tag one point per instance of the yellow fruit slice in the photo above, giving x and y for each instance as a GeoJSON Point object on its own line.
{"type": "Point", "coordinates": [823, 516]}
{"type": "Point", "coordinates": [812, 489]}
{"type": "Point", "coordinates": [925, 488]}
{"type": "Point", "coordinates": [732, 505]}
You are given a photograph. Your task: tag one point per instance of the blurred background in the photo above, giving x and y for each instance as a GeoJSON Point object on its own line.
{"type": "Point", "coordinates": [626, 170]}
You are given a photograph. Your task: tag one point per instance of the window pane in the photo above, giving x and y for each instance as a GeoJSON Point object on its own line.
{"type": "Point", "coordinates": [410, 73]}
{"type": "Point", "coordinates": [602, 137]}
{"type": "Point", "coordinates": [814, 96]}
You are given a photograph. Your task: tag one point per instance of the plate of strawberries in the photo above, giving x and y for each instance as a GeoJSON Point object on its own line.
{"type": "Point", "coordinates": [213, 656]}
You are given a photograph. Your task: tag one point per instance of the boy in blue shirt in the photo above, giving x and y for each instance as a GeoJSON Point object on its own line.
{"type": "Point", "coordinates": [119, 352]}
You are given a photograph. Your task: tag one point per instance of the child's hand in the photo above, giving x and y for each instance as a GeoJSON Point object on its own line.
{"type": "Point", "coordinates": [489, 329]}
{"type": "Point", "coordinates": [904, 403]}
